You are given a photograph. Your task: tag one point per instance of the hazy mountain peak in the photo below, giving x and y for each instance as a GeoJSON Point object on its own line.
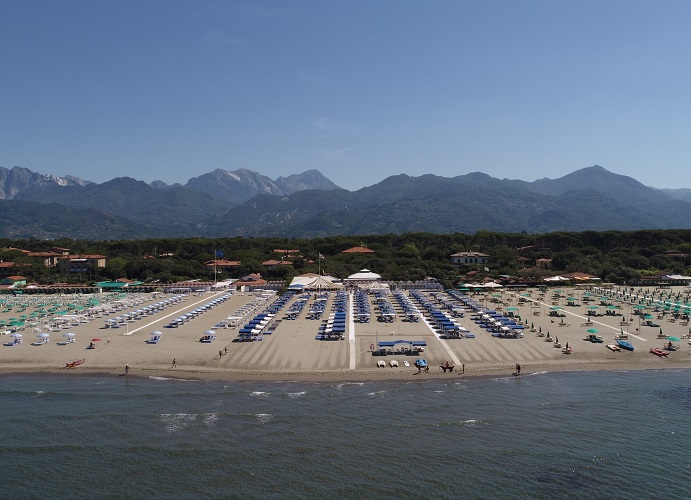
{"type": "Point", "coordinates": [309, 179]}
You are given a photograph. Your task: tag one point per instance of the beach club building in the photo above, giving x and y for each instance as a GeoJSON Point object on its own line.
{"type": "Point", "coordinates": [364, 279]}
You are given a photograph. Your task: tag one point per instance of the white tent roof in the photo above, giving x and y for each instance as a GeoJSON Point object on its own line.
{"type": "Point", "coordinates": [364, 275]}
{"type": "Point", "coordinates": [315, 282]}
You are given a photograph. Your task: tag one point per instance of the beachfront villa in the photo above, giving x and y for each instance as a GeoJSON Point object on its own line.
{"type": "Point", "coordinates": [469, 258]}
{"type": "Point", "coordinates": [72, 264]}
{"type": "Point", "coordinates": [221, 265]}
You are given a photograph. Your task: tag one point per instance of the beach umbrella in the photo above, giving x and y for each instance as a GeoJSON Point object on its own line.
{"type": "Point", "coordinates": [43, 335]}
{"type": "Point", "coordinates": [675, 339]}
{"type": "Point", "coordinates": [16, 335]}
{"type": "Point", "coordinates": [156, 333]}
{"type": "Point", "coordinates": [68, 334]}
{"type": "Point", "coordinates": [592, 330]}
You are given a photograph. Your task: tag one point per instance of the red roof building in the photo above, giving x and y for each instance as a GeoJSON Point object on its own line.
{"type": "Point", "coordinates": [358, 250]}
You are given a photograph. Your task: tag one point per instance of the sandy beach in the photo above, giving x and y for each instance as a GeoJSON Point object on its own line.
{"type": "Point", "coordinates": [291, 352]}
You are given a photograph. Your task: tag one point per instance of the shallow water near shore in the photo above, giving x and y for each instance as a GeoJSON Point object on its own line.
{"type": "Point", "coordinates": [550, 435]}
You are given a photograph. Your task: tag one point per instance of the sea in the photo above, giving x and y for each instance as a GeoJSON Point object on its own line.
{"type": "Point", "coordinates": [609, 435]}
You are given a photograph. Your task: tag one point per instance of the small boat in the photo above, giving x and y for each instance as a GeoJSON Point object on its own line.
{"type": "Point", "coordinates": [658, 352]}
{"type": "Point", "coordinates": [625, 345]}
{"type": "Point", "coordinates": [613, 347]}
{"type": "Point", "coordinates": [75, 362]}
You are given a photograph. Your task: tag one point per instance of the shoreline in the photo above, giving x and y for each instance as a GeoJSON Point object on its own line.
{"type": "Point", "coordinates": [333, 377]}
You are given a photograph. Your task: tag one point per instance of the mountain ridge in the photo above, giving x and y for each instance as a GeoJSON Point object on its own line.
{"type": "Point", "coordinates": [246, 203]}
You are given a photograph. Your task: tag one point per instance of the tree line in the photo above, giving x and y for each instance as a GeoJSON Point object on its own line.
{"type": "Point", "coordinates": [616, 256]}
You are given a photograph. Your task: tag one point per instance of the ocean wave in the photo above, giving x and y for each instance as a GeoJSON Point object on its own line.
{"type": "Point", "coordinates": [210, 419]}
{"type": "Point", "coordinates": [343, 384]}
{"type": "Point", "coordinates": [260, 394]}
{"type": "Point", "coordinates": [376, 393]}
{"type": "Point", "coordinates": [463, 423]}
{"type": "Point", "coordinates": [39, 394]}
{"type": "Point", "coordinates": [153, 377]}
{"type": "Point", "coordinates": [264, 417]}
{"type": "Point", "coordinates": [296, 394]}
{"type": "Point", "coordinates": [175, 422]}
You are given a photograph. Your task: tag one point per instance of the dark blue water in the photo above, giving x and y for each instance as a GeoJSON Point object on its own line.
{"type": "Point", "coordinates": [571, 435]}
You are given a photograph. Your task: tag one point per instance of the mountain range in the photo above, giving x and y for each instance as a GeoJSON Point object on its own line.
{"type": "Point", "coordinates": [246, 203]}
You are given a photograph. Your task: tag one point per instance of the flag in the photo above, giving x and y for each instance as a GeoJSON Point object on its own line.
{"type": "Point", "coordinates": [321, 257]}
{"type": "Point", "coordinates": [219, 254]}
{"type": "Point", "coordinates": [487, 269]}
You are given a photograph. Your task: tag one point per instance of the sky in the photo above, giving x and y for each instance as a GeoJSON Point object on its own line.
{"type": "Point", "coordinates": [358, 89]}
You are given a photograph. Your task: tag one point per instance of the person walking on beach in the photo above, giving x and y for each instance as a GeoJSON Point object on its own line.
{"type": "Point", "coordinates": [127, 369]}
{"type": "Point", "coordinates": [220, 354]}
{"type": "Point", "coordinates": [174, 364]}
{"type": "Point", "coordinates": [518, 369]}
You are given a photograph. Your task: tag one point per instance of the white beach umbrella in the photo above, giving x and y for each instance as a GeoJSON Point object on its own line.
{"type": "Point", "coordinates": [43, 335]}
{"type": "Point", "coordinates": [16, 335]}
{"type": "Point", "coordinates": [68, 334]}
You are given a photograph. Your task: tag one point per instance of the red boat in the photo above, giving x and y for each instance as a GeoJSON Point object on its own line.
{"type": "Point", "coordinates": [75, 362]}
{"type": "Point", "coordinates": [658, 352]}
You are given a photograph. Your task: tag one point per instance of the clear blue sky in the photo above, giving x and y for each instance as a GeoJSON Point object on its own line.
{"type": "Point", "coordinates": [359, 89]}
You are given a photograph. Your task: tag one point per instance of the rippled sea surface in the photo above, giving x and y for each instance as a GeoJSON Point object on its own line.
{"type": "Point", "coordinates": [565, 435]}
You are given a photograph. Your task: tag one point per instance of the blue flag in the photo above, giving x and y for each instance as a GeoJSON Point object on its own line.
{"type": "Point", "coordinates": [219, 254]}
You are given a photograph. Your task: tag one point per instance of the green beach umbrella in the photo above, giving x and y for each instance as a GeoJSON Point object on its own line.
{"type": "Point", "coordinates": [592, 330]}
{"type": "Point", "coordinates": [675, 339]}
